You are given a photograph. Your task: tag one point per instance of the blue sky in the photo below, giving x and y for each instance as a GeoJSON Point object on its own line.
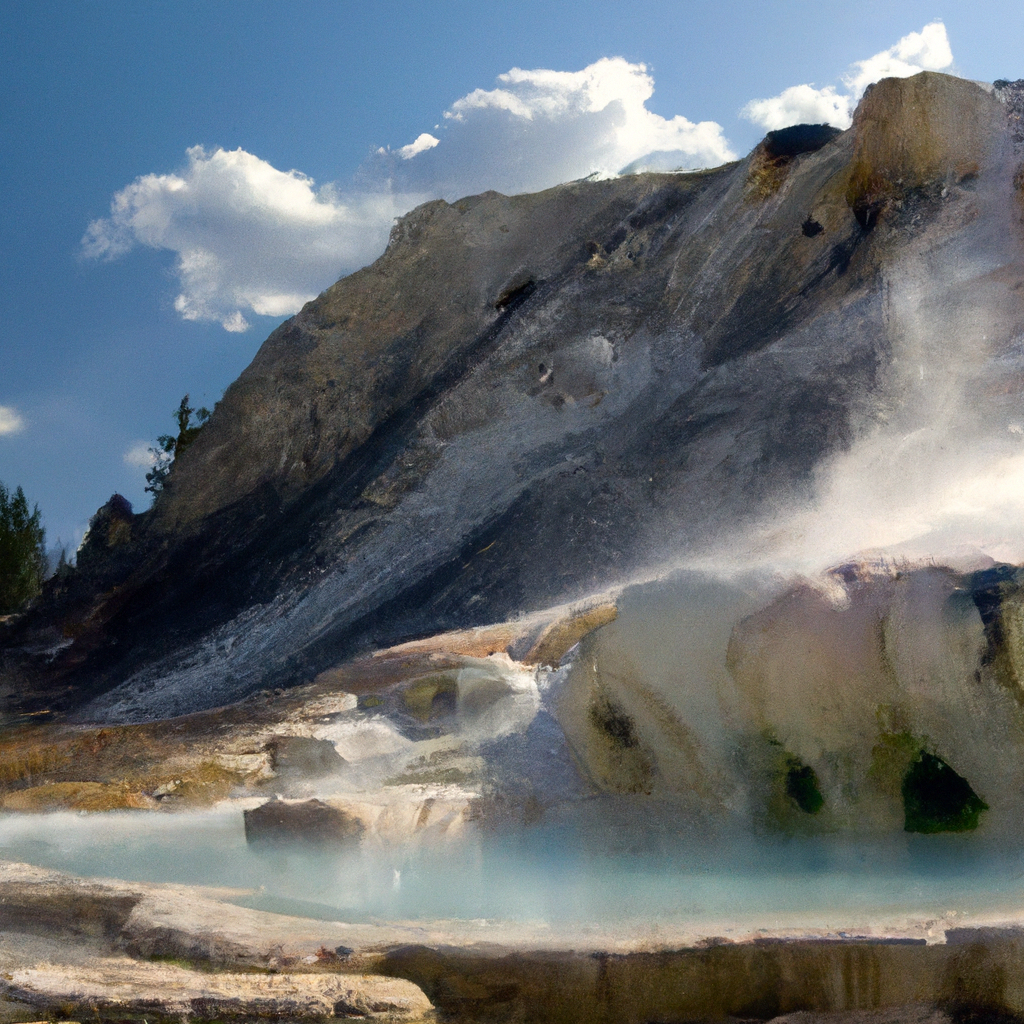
{"type": "Point", "coordinates": [193, 114]}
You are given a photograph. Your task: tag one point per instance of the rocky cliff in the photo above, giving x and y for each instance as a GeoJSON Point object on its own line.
{"type": "Point", "coordinates": [529, 400]}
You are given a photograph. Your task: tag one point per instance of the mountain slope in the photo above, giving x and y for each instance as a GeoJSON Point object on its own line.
{"type": "Point", "coordinates": [530, 399]}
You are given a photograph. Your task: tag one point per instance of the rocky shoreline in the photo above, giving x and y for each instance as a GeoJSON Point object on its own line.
{"type": "Point", "coordinates": [402, 750]}
{"type": "Point", "coordinates": [106, 949]}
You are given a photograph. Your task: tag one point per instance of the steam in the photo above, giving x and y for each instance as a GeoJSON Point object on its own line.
{"type": "Point", "coordinates": [938, 474]}
{"type": "Point", "coordinates": [10, 420]}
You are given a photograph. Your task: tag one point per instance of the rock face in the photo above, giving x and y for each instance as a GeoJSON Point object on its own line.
{"type": "Point", "coordinates": [529, 399]}
{"type": "Point", "coordinates": [922, 133]}
{"type": "Point", "coordinates": [304, 756]}
{"type": "Point", "coordinates": [887, 702]}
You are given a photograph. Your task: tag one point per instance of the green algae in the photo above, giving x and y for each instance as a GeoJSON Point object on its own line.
{"type": "Point", "coordinates": [795, 795]}
{"type": "Point", "coordinates": [803, 788]}
{"type": "Point", "coordinates": [937, 799]}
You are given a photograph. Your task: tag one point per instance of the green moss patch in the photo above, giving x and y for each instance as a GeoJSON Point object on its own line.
{"type": "Point", "coordinates": [431, 697]}
{"type": "Point", "coordinates": [793, 794]}
{"type": "Point", "coordinates": [891, 758]}
{"type": "Point", "coordinates": [937, 799]}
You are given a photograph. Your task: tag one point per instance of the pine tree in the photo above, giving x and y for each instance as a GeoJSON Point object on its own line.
{"type": "Point", "coordinates": [22, 551]}
{"type": "Point", "coordinates": [169, 446]}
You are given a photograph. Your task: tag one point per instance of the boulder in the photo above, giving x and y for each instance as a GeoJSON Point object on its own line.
{"type": "Point", "coordinates": [307, 823]}
{"type": "Point", "coordinates": [928, 131]}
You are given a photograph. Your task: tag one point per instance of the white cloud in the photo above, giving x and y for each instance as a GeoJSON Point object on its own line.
{"type": "Point", "coordinates": [251, 239]}
{"type": "Point", "coordinates": [927, 50]}
{"type": "Point", "coordinates": [10, 420]}
{"type": "Point", "coordinates": [422, 143]}
{"type": "Point", "coordinates": [800, 104]}
{"type": "Point", "coordinates": [540, 128]}
{"type": "Point", "coordinates": [236, 323]}
{"type": "Point", "coordinates": [248, 236]}
{"type": "Point", "coordinates": [140, 455]}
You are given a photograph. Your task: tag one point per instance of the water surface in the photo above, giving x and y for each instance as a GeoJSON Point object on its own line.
{"type": "Point", "coordinates": [540, 874]}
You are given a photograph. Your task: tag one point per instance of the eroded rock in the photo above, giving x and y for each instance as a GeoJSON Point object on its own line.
{"type": "Point", "coordinates": [928, 131]}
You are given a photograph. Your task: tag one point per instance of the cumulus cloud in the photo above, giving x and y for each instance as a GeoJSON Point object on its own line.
{"type": "Point", "coordinates": [927, 50]}
{"type": "Point", "coordinates": [251, 239]}
{"type": "Point", "coordinates": [10, 420]}
{"type": "Point", "coordinates": [421, 144]}
{"type": "Point", "coordinates": [248, 237]}
{"type": "Point", "coordinates": [800, 104]}
{"type": "Point", "coordinates": [540, 128]}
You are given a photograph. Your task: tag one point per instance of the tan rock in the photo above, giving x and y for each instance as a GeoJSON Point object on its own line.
{"type": "Point", "coordinates": [77, 796]}
{"type": "Point", "coordinates": [929, 129]}
{"type": "Point", "coordinates": [123, 985]}
{"type": "Point", "coordinates": [564, 633]}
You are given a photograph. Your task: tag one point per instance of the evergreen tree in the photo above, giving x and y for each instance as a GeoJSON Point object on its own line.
{"type": "Point", "coordinates": [169, 445]}
{"type": "Point", "coordinates": [22, 551]}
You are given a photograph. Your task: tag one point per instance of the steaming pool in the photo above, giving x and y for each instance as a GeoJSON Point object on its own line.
{"type": "Point", "coordinates": [539, 875]}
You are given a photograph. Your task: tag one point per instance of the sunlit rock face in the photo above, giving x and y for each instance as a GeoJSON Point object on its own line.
{"type": "Point", "coordinates": [528, 400]}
